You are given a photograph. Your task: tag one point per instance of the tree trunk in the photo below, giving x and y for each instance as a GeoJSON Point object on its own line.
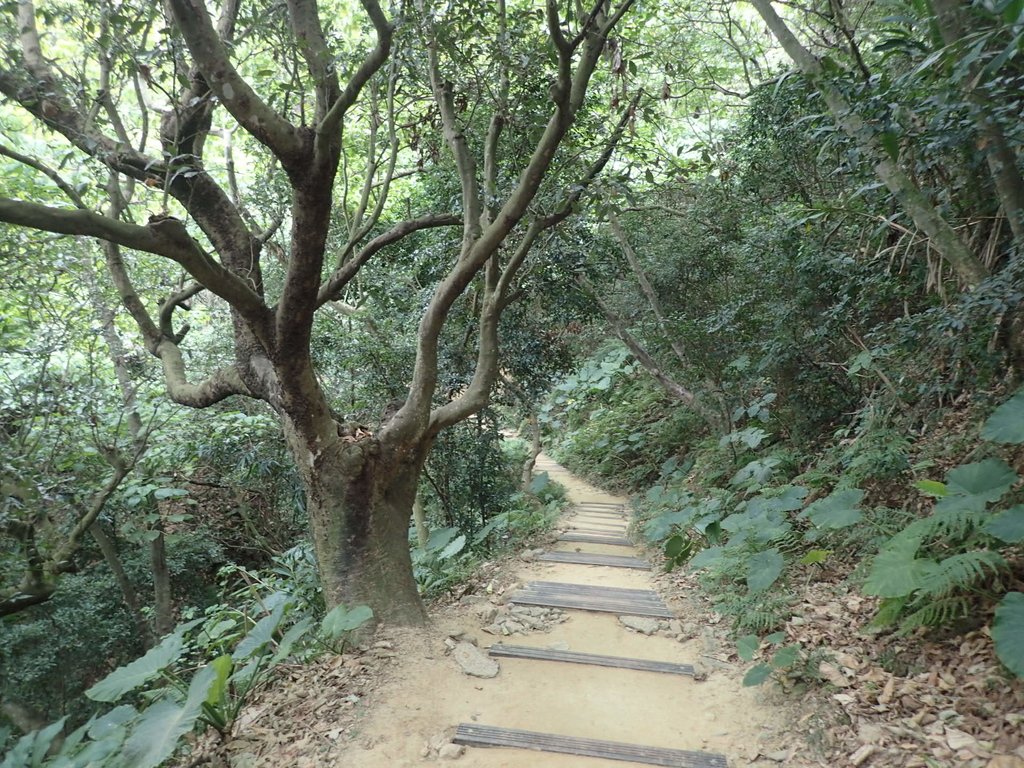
{"type": "Point", "coordinates": [108, 547]}
{"type": "Point", "coordinates": [359, 497]}
{"type": "Point", "coordinates": [163, 608]}
{"type": "Point", "coordinates": [419, 517]}
{"type": "Point", "coordinates": [531, 460]}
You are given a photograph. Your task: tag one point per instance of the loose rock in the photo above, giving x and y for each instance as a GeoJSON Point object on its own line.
{"type": "Point", "coordinates": [451, 752]}
{"type": "Point", "coordinates": [473, 661]}
{"type": "Point", "coordinates": [643, 624]}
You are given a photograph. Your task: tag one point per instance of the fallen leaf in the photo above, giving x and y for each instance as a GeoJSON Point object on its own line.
{"type": "Point", "coordinates": [832, 673]}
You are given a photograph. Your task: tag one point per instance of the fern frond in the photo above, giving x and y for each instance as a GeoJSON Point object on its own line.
{"type": "Point", "coordinates": [952, 523]}
{"type": "Point", "coordinates": [790, 542]}
{"type": "Point", "coordinates": [937, 613]}
{"type": "Point", "coordinates": [758, 621]}
{"type": "Point", "coordinates": [958, 572]}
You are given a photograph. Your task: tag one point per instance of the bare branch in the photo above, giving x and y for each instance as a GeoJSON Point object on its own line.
{"type": "Point", "coordinates": [168, 307]}
{"type": "Point", "coordinates": [347, 271]}
{"type": "Point", "coordinates": [459, 146]}
{"type": "Point", "coordinates": [373, 62]}
{"type": "Point", "coordinates": [618, 327]}
{"type": "Point", "coordinates": [193, 20]}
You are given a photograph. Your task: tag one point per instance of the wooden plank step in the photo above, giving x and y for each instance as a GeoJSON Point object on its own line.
{"type": "Point", "coordinates": [591, 539]}
{"type": "Point", "coordinates": [573, 657]}
{"type": "Point", "coordinates": [474, 735]}
{"type": "Point", "coordinates": [631, 602]}
{"type": "Point", "coordinates": [591, 558]}
{"type": "Point", "coordinates": [598, 512]}
{"type": "Point", "coordinates": [595, 531]}
{"type": "Point", "coordinates": [594, 589]}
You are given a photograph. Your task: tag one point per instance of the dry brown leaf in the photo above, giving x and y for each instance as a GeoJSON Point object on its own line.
{"type": "Point", "coordinates": [832, 673]}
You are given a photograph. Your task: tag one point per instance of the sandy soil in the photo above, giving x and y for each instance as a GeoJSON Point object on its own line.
{"type": "Point", "coordinates": [425, 694]}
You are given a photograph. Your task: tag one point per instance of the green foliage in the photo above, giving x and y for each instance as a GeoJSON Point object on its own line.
{"type": "Point", "coordinates": [451, 553]}
{"type": "Point", "coordinates": [129, 677]}
{"type": "Point", "coordinates": [1006, 424]}
{"type": "Point", "coordinates": [926, 571]}
{"type": "Point", "coordinates": [340, 622]}
{"type": "Point", "coordinates": [1007, 630]}
{"type": "Point", "coordinates": [203, 673]}
{"type": "Point", "coordinates": [838, 510]}
{"type": "Point", "coordinates": [471, 477]}
{"type": "Point", "coordinates": [779, 657]}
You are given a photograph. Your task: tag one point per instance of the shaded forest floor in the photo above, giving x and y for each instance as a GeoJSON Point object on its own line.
{"type": "Point", "coordinates": [394, 703]}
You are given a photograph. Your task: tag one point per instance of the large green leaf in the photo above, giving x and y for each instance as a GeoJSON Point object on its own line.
{"type": "Point", "coordinates": [131, 676]}
{"type": "Point", "coordinates": [44, 740]}
{"type": "Point", "coordinates": [659, 527]}
{"type": "Point", "coordinates": [763, 569]}
{"type": "Point", "coordinates": [162, 725]}
{"type": "Point", "coordinates": [341, 620]}
{"type": "Point", "coordinates": [1007, 526]}
{"type": "Point", "coordinates": [260, 635]}
{"type": "Point", "coordinates": [1006, 424]}
{"type": "Point", "coordinates": [757, 674]}
{"type": "Point", "coordinates": [747, 647]}
{"type": "Point", "coordinates": [896, 571]}
{"type": "Point", "coordinates": [708, 557]}
{"type": "Point", "coordinates": [218, 693]}
{"type": "Point", "coordinates": [1008, 632]}
{"type": "Point", "coordinates": [988, 479]}
{"type": "Point", "coordinates": [837, 510]}
{"type": "Point", "coordinates": [112, 722]}
{"type": "Point", "coordinates": [292, 636]}
{"type": "Point", "coordinates": [453, 547]}
{"type": "Point", "coordinates": [932, 488]}
{"type": "Point", "coordinates": [440, 538]}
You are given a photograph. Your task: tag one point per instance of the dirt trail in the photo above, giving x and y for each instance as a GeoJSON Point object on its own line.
{"type": "Point", "coordinates": [427, 695]}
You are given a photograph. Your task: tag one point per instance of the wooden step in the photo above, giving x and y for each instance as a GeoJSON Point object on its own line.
{"type": "Point", "coordinates": [591, 558]}
{"type": "Point", "coordinates": [624, 602]}
{"type": "Point", "coordinates": [574, 657]}
{"type": "Point", "coordinates": [589, 538]}
{"type": "Point", "coordinates": [474, 735]}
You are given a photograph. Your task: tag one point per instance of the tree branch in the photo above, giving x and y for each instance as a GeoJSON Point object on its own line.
{"type": "Point", "coordinates": [277, 134]}
{"type": "Point", "coordinates": [374, 61]}
{"type": "Point", "coordinates": [346, 272]}
{"type": "Point", "coordinates": [164, 236]}
{"type": "Point", "coordinates": [416, 414]}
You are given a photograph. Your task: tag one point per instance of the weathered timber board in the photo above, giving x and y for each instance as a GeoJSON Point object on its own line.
{"type": "Point", "coordinates": [619, 523]}
{"type": "Point", "coordinates": [473, 735]}
{"type": "Point", "coordinates": [593, 589]}
{"type": "Point", "coordinates": [573, 657]}
{"type": "Point", "coordinates": [590, 558]}
{"type": "Point", "coordinates": [632, 602]}
{"type": "Point", "coordinates": [591, 539]}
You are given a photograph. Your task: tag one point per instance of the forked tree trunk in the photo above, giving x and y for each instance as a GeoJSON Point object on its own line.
{"type": "Point", "coordinates": [359, 499]}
